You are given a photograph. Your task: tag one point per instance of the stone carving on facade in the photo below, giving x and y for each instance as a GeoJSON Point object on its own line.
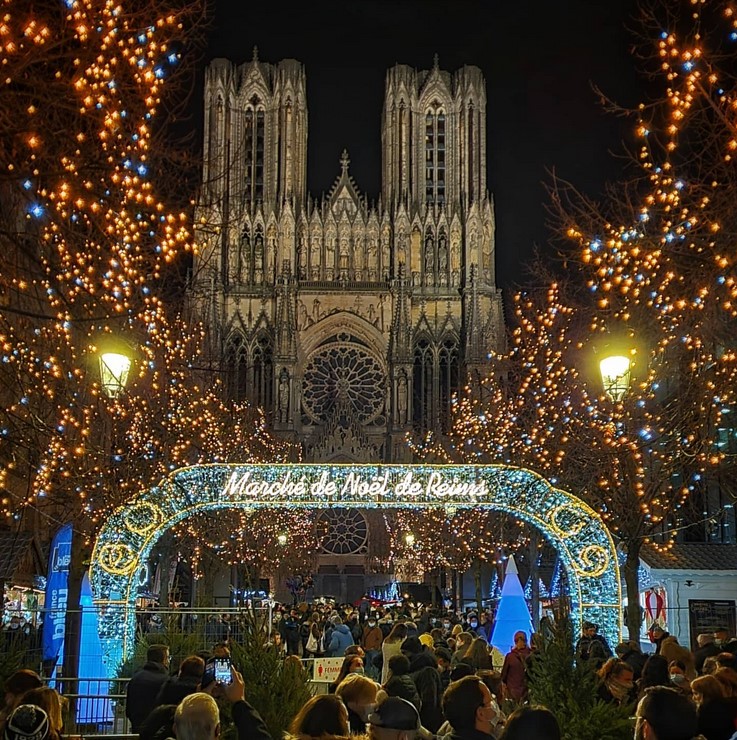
{"type": "Point", "coordinates": [372, 312]}
{"type": "Point", "coordinates": [283, 400]}
{"type": "Point", "coordinates": [402, 399]}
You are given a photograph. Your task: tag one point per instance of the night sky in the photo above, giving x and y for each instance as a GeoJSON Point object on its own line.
{"type": "Point", "coordinates": [539, 58]}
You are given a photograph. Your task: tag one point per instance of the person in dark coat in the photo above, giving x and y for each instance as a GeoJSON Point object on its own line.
{"type": "Point", "coordinates": [186, 682]}
{"type": "Point", "coordinates": [657, 634]}
{"type": "Point", "coordinates": [592, 648]}
{"type": "Point", "coordinates": [144, 686]}
{"type": "Point", "coordinates": [400, 682]}
{"type": "Point", "coordinates": [707, 648]}
{"type": "Point", "coordinates": [471, 710]}
{"type": "Point", "coordinates": [424, 672]}
{"type": "Point", "coordinates": [290, 632]}
{"type": "Point", "coordinates": [631, 654]}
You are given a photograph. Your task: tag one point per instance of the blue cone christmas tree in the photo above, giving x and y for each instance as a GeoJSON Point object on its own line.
{"type": "Point", "coordinates": [512, 614]}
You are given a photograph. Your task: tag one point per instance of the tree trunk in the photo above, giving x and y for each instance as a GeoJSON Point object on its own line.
{"type": "Point", "coordinates": [477, 583]}
{"type": "Point", "coordinates": [632, 584]}
{"type": "Point", "coordinates": [535, 579]}
{"type": "Point", "coordinates": [164, 570]}
{"type": "Point", "coordinates": [434, 584]}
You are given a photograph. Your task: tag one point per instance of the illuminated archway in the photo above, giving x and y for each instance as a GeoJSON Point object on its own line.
{"type": "Point", "coordinates": [573, 528]}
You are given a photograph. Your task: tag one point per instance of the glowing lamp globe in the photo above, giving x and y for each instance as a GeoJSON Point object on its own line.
{"type": "Point", "coordinates": [409, 539]}
{"type": "Point", "coordinates": [114, 370]}
{"type": "Point", "coordinates": [615, 375]}
{"type": "Point", "coordinates": [282, 539]}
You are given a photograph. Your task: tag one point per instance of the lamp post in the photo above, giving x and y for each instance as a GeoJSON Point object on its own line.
{"type": "Point", "coordinates": [114, 362]}
{"type": "Point", "coordinates": [615, 375]}
{"type": "Point", "coordinates": [115, 359]}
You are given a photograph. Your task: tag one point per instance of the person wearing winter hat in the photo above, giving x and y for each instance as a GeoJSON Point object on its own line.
{"type": "Point", "coordinates": [27, 722]}
{"type": "Point", "coordinates": [427, 640]}
{"type": "Point", "coordinates": [394, 719]}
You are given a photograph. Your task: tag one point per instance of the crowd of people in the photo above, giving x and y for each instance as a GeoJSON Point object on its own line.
{"type": "Point", "coordinates": [413, 673]}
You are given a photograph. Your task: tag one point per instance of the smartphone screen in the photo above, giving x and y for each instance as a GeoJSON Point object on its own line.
{"type": "Point", "coordinates": [222, 670]}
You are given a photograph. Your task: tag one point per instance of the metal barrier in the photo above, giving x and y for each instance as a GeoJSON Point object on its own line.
{"type": "Point", "coordinates": [97, 704]}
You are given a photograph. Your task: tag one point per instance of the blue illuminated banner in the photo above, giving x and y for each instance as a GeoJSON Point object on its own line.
{"type": "Point", "coordinates": [55, 607]}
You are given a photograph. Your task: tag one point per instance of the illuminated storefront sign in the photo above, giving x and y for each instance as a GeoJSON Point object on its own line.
{"type": "Point", "coordinates": [573, 528]}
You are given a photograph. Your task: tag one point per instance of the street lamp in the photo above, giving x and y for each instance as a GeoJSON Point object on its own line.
{"type": "Point", "coordinates": [282, 539]}
{"type": "Point", "coordinates": [615, 376]}
{"type": "Point", "coordinates": [409, 539]}
{"type": "Point", "coordinates": [115, 359]}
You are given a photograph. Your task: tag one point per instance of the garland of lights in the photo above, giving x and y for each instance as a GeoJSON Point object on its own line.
{"type": "Point", "coordinates": [125, 541]}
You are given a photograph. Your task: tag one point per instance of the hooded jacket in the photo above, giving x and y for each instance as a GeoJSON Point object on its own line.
{"type": "Point", "coordinates": [340, 639]}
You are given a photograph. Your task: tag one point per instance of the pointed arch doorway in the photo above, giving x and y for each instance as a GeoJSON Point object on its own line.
{"type": "Point", "coordinates": [576, 531]}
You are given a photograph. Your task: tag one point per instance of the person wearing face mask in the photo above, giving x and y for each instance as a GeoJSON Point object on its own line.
{"type": "Point", "coordinates": [351, 664]}
{"type": "Point", "coordinates": [672, 651]}
{"type": "Point", "coordinates": [485, 627]}
{"type": "Point", "coordinates": [471, 710]}
{"type": "Point", "coordinates": [371, 640]}
{"type": "Point", "coordinates": [473, 623]}
{"type": "Point", "coordinates": [725, 641]}
{"type": "Point", "coordinates": [616, 682]}
{"type": "Point", "coordinates": [359, 696]}
{"type": "Point", "coordinates": [678, 679]}
{"type": "Point", "coordinates": [443, 657]}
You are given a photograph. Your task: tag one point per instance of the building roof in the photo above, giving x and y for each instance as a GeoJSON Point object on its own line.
{"type": "Point", "coordinates": [13, 548]}
{"type": "Point", "coordinates": [692, 556]}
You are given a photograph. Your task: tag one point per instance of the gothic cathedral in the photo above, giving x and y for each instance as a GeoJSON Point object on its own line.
{"type": "Point", "coordinates": [351, 322]}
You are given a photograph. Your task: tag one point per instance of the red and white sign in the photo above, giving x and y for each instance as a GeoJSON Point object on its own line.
{"type": "Point", "coordinates": [327, 669]}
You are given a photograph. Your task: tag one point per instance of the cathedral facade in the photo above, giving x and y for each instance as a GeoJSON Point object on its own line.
{"type": "Point", "coordinates": [350, 322]}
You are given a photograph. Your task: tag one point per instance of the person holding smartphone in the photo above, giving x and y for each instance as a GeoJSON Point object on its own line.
{"type": "Point", "coordinates": [198, 718]}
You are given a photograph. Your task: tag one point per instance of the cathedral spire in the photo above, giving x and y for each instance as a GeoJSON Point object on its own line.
{"type": "Point", "coordinates": [435, 61]}
{"type": "Point", "coordinates": [344, 162]}
{"type": "Point", "coordinates": [475, 335]}
{"type": "Point", "coordinates": [401, 328]}
{"type": "Point", "coordinates": [255, 53]}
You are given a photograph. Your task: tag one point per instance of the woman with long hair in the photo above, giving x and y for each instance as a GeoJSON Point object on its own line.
{"type": "Point", "coordinates": [322, 716]}
{"type": "Point", "coordinates": [17, 684]}
{"type": "Point", "coordinates": [616, 682]}
{"type": "Point", "coordinates": [351, 664]}
{"type": "Point", "coordinates": [477, 655]}
{"type": "Point", "coordinates": [654, 673]}
{"type": "Point", "coordinates": [50, 701]}
{"type": "Point", "coordinates": [463, 642]}
{"type": "Point", "coordinates": [314, 643]}
{"type": "Point", "coordinates": [392, 645]}
{"type": "Point", "coordinates": [705, 689]}
{"type": "Point", "coordinates": [359, 695]}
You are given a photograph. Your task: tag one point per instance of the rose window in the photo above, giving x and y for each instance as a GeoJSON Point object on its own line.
{"type": "Point", "coordinates": [343, 372]}
{"type": "Point", "coordinates": [342, 531]}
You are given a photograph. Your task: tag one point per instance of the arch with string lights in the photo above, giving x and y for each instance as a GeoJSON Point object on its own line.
{"type": "Point", "coordinates": [573, 528]}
